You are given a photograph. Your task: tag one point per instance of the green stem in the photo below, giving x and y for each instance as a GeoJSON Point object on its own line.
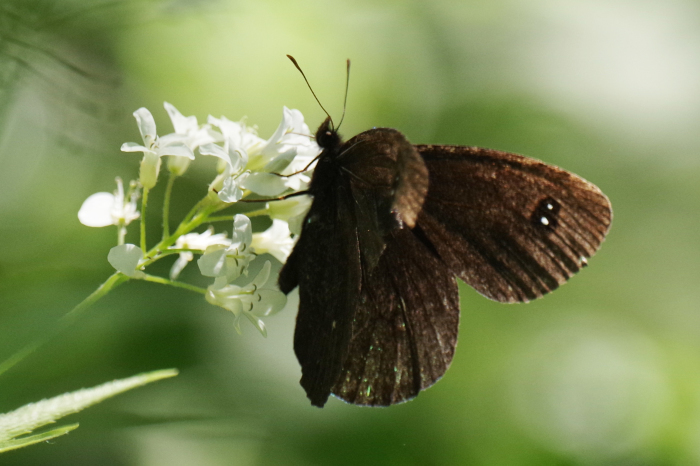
{"type": "Point", "coordinates": [196, 217]}
{"type": "Point", "coordinates": [10, 362]}
{"type": "Point", "coordinates": [256, 213]}
{"type": "Point", "coordinates": [222, 218]}
{"type": "Point", "coordinates": [112, 282]}
{"type": "Point", "coordinates": [166, 205]}
{"type": "Point", "coordinates": [121, 233]}
{"type": "Point", "coordinates": [183, 229]}
{"type": "Point", "coordinates": [193, 211]}
{"type": "Point", "coordinates": [168, 252]}
{"type": "Point", "coordinates": [144, 202]}
{"type": "Point", "coordinates": [165, 281]}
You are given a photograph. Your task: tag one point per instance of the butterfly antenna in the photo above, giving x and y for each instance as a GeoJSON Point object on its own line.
{"type": "Point", "coordinates": [345, 102]}
{"type": "Point", "coordinates": [312, 91]}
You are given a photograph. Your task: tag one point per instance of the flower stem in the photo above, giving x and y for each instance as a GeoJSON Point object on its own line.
{"type": "Point", "coordinates": [167, 252]}
{"type": "Point", "coordinates": [222, 218]}
{"type": "Point", "coordinates": [144, 202]}
{"type": "Point", "coordinates": [8, 363]}
{"type": "Point", "coordinates": [166, 205]}
{"type": "Point", "coordinates": [256, 213]}
{"type": "Point", "coordinates": [165, 281]}
{"type": "Point", "coordinates": [185, 227]}
{"type": "Point", "coordinates": [112, 282]}
{"type": "Point", "coordinates": [121, 233]}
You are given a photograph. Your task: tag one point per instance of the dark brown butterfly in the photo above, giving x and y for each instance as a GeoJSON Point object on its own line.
{"type": "Point", "coordinates": [391, 226]}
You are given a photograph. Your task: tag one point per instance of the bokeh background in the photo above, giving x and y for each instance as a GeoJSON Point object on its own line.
{"type": "Point", "coordinates": [606, 370]}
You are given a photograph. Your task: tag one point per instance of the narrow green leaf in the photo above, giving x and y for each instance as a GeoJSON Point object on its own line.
{"type": "Point", "coordinates": [32, 439]}
{"type": "Point", "coordinates": [32, 416]}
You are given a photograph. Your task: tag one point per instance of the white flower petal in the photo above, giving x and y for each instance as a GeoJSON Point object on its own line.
{"type": "Point", "coordinates": [200, 136]}
{"type": "Point", "coordinates": [262, 276]}
{"type": "Point", "coordinates": [250, 300]}
{"type": "Point", "coordinates": [216, 151]}
{"type": "Point", "coordinates": [276, 241]}
{"type": "Point", "coordinates": [181, 123]}
{"type": "Point", "coordinates": [298, 182]}
{"type": "Point", "coordinates": [171, 138]}
{"type": "Point", "coordinates": [133, 147]}
{"type": "Point", "coordinates": [265, 184]}
{"type": "Point", "coordinates": [242, 232]}
{"type": "Point", "coordinates": [147, 125]}
{"type": "Point", "coordinates": [231, 190]}
{"type": "Point", "coordinates": [291, 132]}
{"type": "Point", "coordinates": [229, 129]}
{"type": "Point", "coordinates": [125, 258]}
{"type": "Point", "coordinates": [213, 262]}
{"type": "Point", "coordinates": [285, 125]}
{"type": "Point", "coordinates": [291, 207]}
{"type": "Point", "coordinates": [295, 224]}
{"type": "Point", "coordinates": [202, 240]}
{"type": "Point", "coordinates": [96, 211]}
{"type": "Point", "coordinates": [176, 148]}
{"type": "Point", "coordinates": [279, 163]}
{"type": "Point", "coordinates": [239, 159]}
{"type": "Point", "coordinates": [271, 302]}
{"type": "Point", "coordinates": [183, 259]}
{"type": "Point", "coordinates": [257, 322]}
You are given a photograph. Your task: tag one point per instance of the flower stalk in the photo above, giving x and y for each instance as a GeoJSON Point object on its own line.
{"type": "Point", "coordinates": [247, 166]}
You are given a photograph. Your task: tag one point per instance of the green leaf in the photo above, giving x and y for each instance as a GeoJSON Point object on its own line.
{"type": "Point", "coordinates": [32, 416]}
{"type": "Point", "coordinates": [32, 439]}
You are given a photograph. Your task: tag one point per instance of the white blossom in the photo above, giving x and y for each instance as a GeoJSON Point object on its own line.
{"type": "Point", "coordinates": [230, 261]}
{"type": "Point", "coordinates": [196, 241]}
{"type": "Point", "coordinates": [290, 149]}
{"type": "Point", "coordinates": [293, 210]}
{"type": "Point", "coordinates": [103, 209]}
{"type": "Point", "coordinates": [275, 241]}
{"type": "Point", "coordinates": [254, 300]}
{"type": "Point", "coordinates": [193, 137]}
{"type": "Point", "coordinates": [294, 149]}
{"type": "Point", "coordinates": [154, 147]}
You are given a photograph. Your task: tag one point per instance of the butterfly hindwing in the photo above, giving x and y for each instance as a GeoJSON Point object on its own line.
{"type": "Point", "coordinates": [511, 227]}
{"type": "Point", "coordinates": [405, 328]}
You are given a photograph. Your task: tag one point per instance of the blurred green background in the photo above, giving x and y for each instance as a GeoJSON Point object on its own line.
{"type": "Point", "coordinates": [606, 370]}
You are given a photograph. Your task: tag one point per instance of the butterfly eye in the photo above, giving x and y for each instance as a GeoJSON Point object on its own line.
{"type": "Point", "coordinates": [328, 133]}
{"type": "Point", "coordinates": [546, 214]}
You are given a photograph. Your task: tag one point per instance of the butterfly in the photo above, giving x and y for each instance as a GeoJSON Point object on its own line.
{"type": "Point", "coordinates": [391, 227]}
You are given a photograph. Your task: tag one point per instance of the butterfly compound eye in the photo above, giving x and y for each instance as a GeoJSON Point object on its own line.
{"type": "Point", "coordinates": [326, 136]}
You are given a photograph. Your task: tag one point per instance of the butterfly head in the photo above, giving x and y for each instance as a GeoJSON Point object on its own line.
{"type": "Point", "coordinates": [326, 135]}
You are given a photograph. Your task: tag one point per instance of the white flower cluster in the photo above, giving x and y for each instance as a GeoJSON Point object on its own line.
{"type": "Point", "coordinates": [248, 165]}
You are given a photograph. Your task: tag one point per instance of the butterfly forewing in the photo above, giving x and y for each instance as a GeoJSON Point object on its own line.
{"type": "Point", "coordinates": [325, 264]}
{"type": "Point", "coordinates": [511, 227]}
{"type": "Point", "coordinates": [382, 160]}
